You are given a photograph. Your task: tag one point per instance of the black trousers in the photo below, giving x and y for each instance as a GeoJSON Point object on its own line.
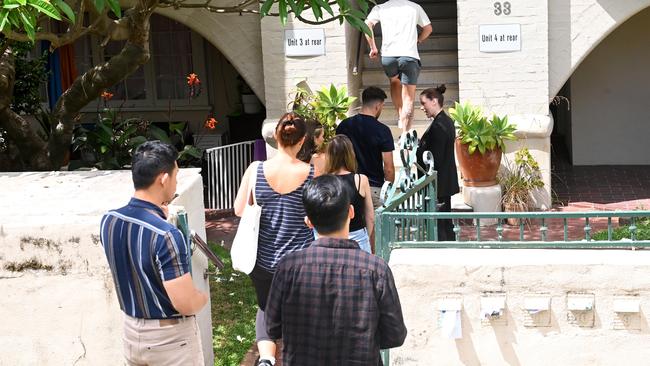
{"type": "Point", "coordinates": [446, 226]}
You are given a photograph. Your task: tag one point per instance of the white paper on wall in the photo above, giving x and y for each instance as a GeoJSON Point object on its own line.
{"type": "Point", "coordinates": [451, 327]}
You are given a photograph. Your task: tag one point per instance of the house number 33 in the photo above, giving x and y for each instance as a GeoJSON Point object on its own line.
{"type": "Point", "coordinates": [502, 8]}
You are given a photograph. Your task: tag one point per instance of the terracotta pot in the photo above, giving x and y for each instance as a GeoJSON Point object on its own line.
{"type": "Point", "coordinates": [479, 170]}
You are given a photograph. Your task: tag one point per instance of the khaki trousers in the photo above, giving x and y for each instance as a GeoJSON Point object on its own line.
{"type": "Point", "coordinates": [148, 342]}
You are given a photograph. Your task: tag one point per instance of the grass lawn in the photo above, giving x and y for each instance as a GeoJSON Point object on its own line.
{"type": "Point", "coordinates": [233, 312]}
{"type": "Point", "coordinates": [623, 232]}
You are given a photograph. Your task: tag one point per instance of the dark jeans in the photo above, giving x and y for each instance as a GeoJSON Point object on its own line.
{"type": "Point", "coordinates": [446, 226]}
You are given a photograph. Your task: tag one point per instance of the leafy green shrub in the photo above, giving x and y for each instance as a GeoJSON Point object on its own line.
{"type": "Point", "coordinates": [327, 106]}
{"type": "Point", "coordinates": [479, 133]}
{"type": "Point", "coordinates": [642, 232]}
{"type": "Point", "coordinates": [519, 180]}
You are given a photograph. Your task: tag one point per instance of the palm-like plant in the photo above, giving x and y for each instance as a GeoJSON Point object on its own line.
{"type": "Point", "coordinates": [479, 133]}
{"type": "Point", "coordinates": [328, 106]}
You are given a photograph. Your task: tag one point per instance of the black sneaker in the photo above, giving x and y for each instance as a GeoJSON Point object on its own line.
{"type": "Point", "coordinates": [264, 362]}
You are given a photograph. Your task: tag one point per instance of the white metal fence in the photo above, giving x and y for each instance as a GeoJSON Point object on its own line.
{"type": "Point", "coordinates": [226, 166]}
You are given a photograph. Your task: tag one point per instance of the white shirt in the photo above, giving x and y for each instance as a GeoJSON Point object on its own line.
{"type": "Point", "coordinates": [398, 20]}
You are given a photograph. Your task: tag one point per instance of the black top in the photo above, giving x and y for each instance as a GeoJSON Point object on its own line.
{"type": "Point", "coordinates": [439, 138]}
{"type": "Point", "coordinates": [359, 220]}
{"type": "Point", "coordinates": [334, 304]}
{"type": "Point", "coordinates": [370, 139]}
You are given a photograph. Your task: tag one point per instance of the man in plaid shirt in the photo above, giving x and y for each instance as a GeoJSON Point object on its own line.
{"type": "Point", "coordinates": [333, 303]}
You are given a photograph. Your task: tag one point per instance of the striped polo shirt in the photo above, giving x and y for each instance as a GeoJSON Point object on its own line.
{"type": "Point", "coordinates": [143, 250]}
{"type": "Point", "coordinates": [282, 222]}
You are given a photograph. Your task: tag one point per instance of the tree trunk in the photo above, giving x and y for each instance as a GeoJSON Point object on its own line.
{"type": "Point", "coordinates": [32, 150]}
{"type": "Point", "coordinates": [90, 85]}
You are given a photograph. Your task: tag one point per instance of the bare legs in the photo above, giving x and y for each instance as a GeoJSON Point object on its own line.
{"type": "Point", "coordinates": [406, 111]}
{"type": "Point", "coordinates": [266, 348]}
{"type": "Point", "coordinates": [396, 96]}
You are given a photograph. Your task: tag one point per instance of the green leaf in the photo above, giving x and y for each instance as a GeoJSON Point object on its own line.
{"type": "Point", "coordinates": [45, 8]}
{"type": "Point", "coordinates": [115, 7]}
{"type": "Point", "coordinates": [9, 6]}
{"type": "Point", "coordinates": [266, 7]}
{"type": "Point", "coordinates": [4, 18]}
{"type": "Point", "coordinates": [66, 9]}
{"type": "Point", "coordinates": [22, 2]}
{"type": "Point", "coordinates": [316, 9]}
{"type": "Point", "coordinates": [158, 134]}
{"type": "Point", "coordinates": [358, 24]}
{"type": "Point", "coordinates": [363, 5]}
{"type": "Point", "coordinates": [325, 5]}
{"type": "Point", "coordinates": [99, 5]}
{"type": "Point", "coordinates": [137, 141]}
{"type": "Point", "coordinates": [27, 24]}
{"type": "Point", "coordinates": [282, 9]}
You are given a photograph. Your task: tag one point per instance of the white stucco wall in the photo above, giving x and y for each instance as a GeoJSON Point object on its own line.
{"type": "Point", "coordinates": [504, 83]}
{"type": "Point", "coordinates": [555, 337]}
{"type": "Point", "coordinates": [576, 27]}
{"type": "Point", "coordinates": [281, 73]}
{"type": "Point", "coordinates": [70, 315]}
{"type": "Point", "coordinates": [609, 94]}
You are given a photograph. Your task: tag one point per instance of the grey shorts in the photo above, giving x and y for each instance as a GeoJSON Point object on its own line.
{"type": "Point", "coordinates": [407, 68]}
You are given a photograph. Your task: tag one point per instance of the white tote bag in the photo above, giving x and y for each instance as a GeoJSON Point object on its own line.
{"type": "Point", "coordinates": [244, 247]}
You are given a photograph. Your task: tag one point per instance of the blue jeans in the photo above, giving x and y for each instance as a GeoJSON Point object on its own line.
{"type": "Point", "coordinates": [360, 236]}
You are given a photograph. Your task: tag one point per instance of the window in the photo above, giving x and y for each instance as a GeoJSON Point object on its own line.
{"type": "Point", "coordinates": [172, 56]}
{"type": "Point", "coordinates": [176, 51]}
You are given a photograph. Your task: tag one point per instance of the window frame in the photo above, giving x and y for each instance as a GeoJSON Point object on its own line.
{"type": "Point", "coordinates": [151, 105]}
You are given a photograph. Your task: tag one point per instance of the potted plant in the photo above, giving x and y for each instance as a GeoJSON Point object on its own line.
{"type": "Point", "coordinates": [479, 143]}
{"type": "Point", "coordinates": [518, 181]}
{"type": "Point", "coordinates": [328, 106]}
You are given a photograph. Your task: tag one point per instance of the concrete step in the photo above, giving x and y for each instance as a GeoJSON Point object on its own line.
{"type": "Point", "coordinates": [436, 41]}
{"type": "Point", "coordinates": [450, 95]}
{"type": "Point", "coordinates": [389, 114]}
{"type": "Point", "coordinates": [418, 125]}
{"type": "Point", "coordinates": [440, 25]}
{"type": "Point", "coordinates": [429, 75]}
{"type": "Point", "coordinates": [447, 9]}
{"type": "Point", "coordinates": [459, 205]}
{"type": "Point", "coordinates": [447, 57]}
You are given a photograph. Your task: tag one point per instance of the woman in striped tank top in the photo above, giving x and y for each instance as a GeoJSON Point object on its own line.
{"type": "Point", "coordinates": [278, 190]}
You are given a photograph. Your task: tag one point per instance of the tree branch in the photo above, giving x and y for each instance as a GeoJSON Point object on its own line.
{"type": "Point", "coordinates": [93, 82]}
{"type": "Point", "coordinates": [32, 149]}
{"type": "Point", "coordinates": [57, 40]}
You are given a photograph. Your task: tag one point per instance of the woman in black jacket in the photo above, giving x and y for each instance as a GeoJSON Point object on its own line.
{"type": "Point", "coordinates": [439, 138]}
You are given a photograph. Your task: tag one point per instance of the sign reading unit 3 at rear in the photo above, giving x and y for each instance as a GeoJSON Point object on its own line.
{"type": "Point", "coordinates": [304, 42]}
{"type": "Point", "coordinates": [495, 38]}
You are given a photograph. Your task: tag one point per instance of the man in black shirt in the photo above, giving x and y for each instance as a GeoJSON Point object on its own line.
{"type": "Point", "coordinates": [372, 141]}
{"type": "Point", "coordinates": [333, 303]}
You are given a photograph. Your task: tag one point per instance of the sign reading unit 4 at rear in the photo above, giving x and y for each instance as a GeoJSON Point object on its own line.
{"type": "Point", "coordinates": [494, 38]}
{"type": "Point", "coordinates": [304, 42]}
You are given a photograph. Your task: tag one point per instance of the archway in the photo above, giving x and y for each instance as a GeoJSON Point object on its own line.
{"type": "Point", "coordinates": [600, 148]}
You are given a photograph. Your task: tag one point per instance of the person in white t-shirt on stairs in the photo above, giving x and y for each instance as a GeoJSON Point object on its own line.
{"type": "Point", "coordinates": [399, 50]}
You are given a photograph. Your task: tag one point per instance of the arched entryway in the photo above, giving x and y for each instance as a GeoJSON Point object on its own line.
{"type": "Point", "coordinates": [601, 149]}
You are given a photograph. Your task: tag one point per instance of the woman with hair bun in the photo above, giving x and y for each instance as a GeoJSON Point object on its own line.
{"type": "Point", "coordinates": [439, 138]}
{"type": "Point", "coordinates": [312, 149]}
{"type": "Point", "coordinates": [278, 189]}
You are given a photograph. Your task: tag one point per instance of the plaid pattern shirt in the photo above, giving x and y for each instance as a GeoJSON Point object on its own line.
{"type": "Point", "coordinates": [334, 304]}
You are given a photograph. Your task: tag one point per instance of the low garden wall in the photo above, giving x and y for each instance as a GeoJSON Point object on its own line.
{"type": "Point", "coordinates": [58, 297]}
{"type": "Point", "coordinates": [523, 306]}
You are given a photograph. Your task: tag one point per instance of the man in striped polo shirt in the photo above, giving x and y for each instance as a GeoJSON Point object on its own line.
{"type": "Point", "coordinates": [150, 263]}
